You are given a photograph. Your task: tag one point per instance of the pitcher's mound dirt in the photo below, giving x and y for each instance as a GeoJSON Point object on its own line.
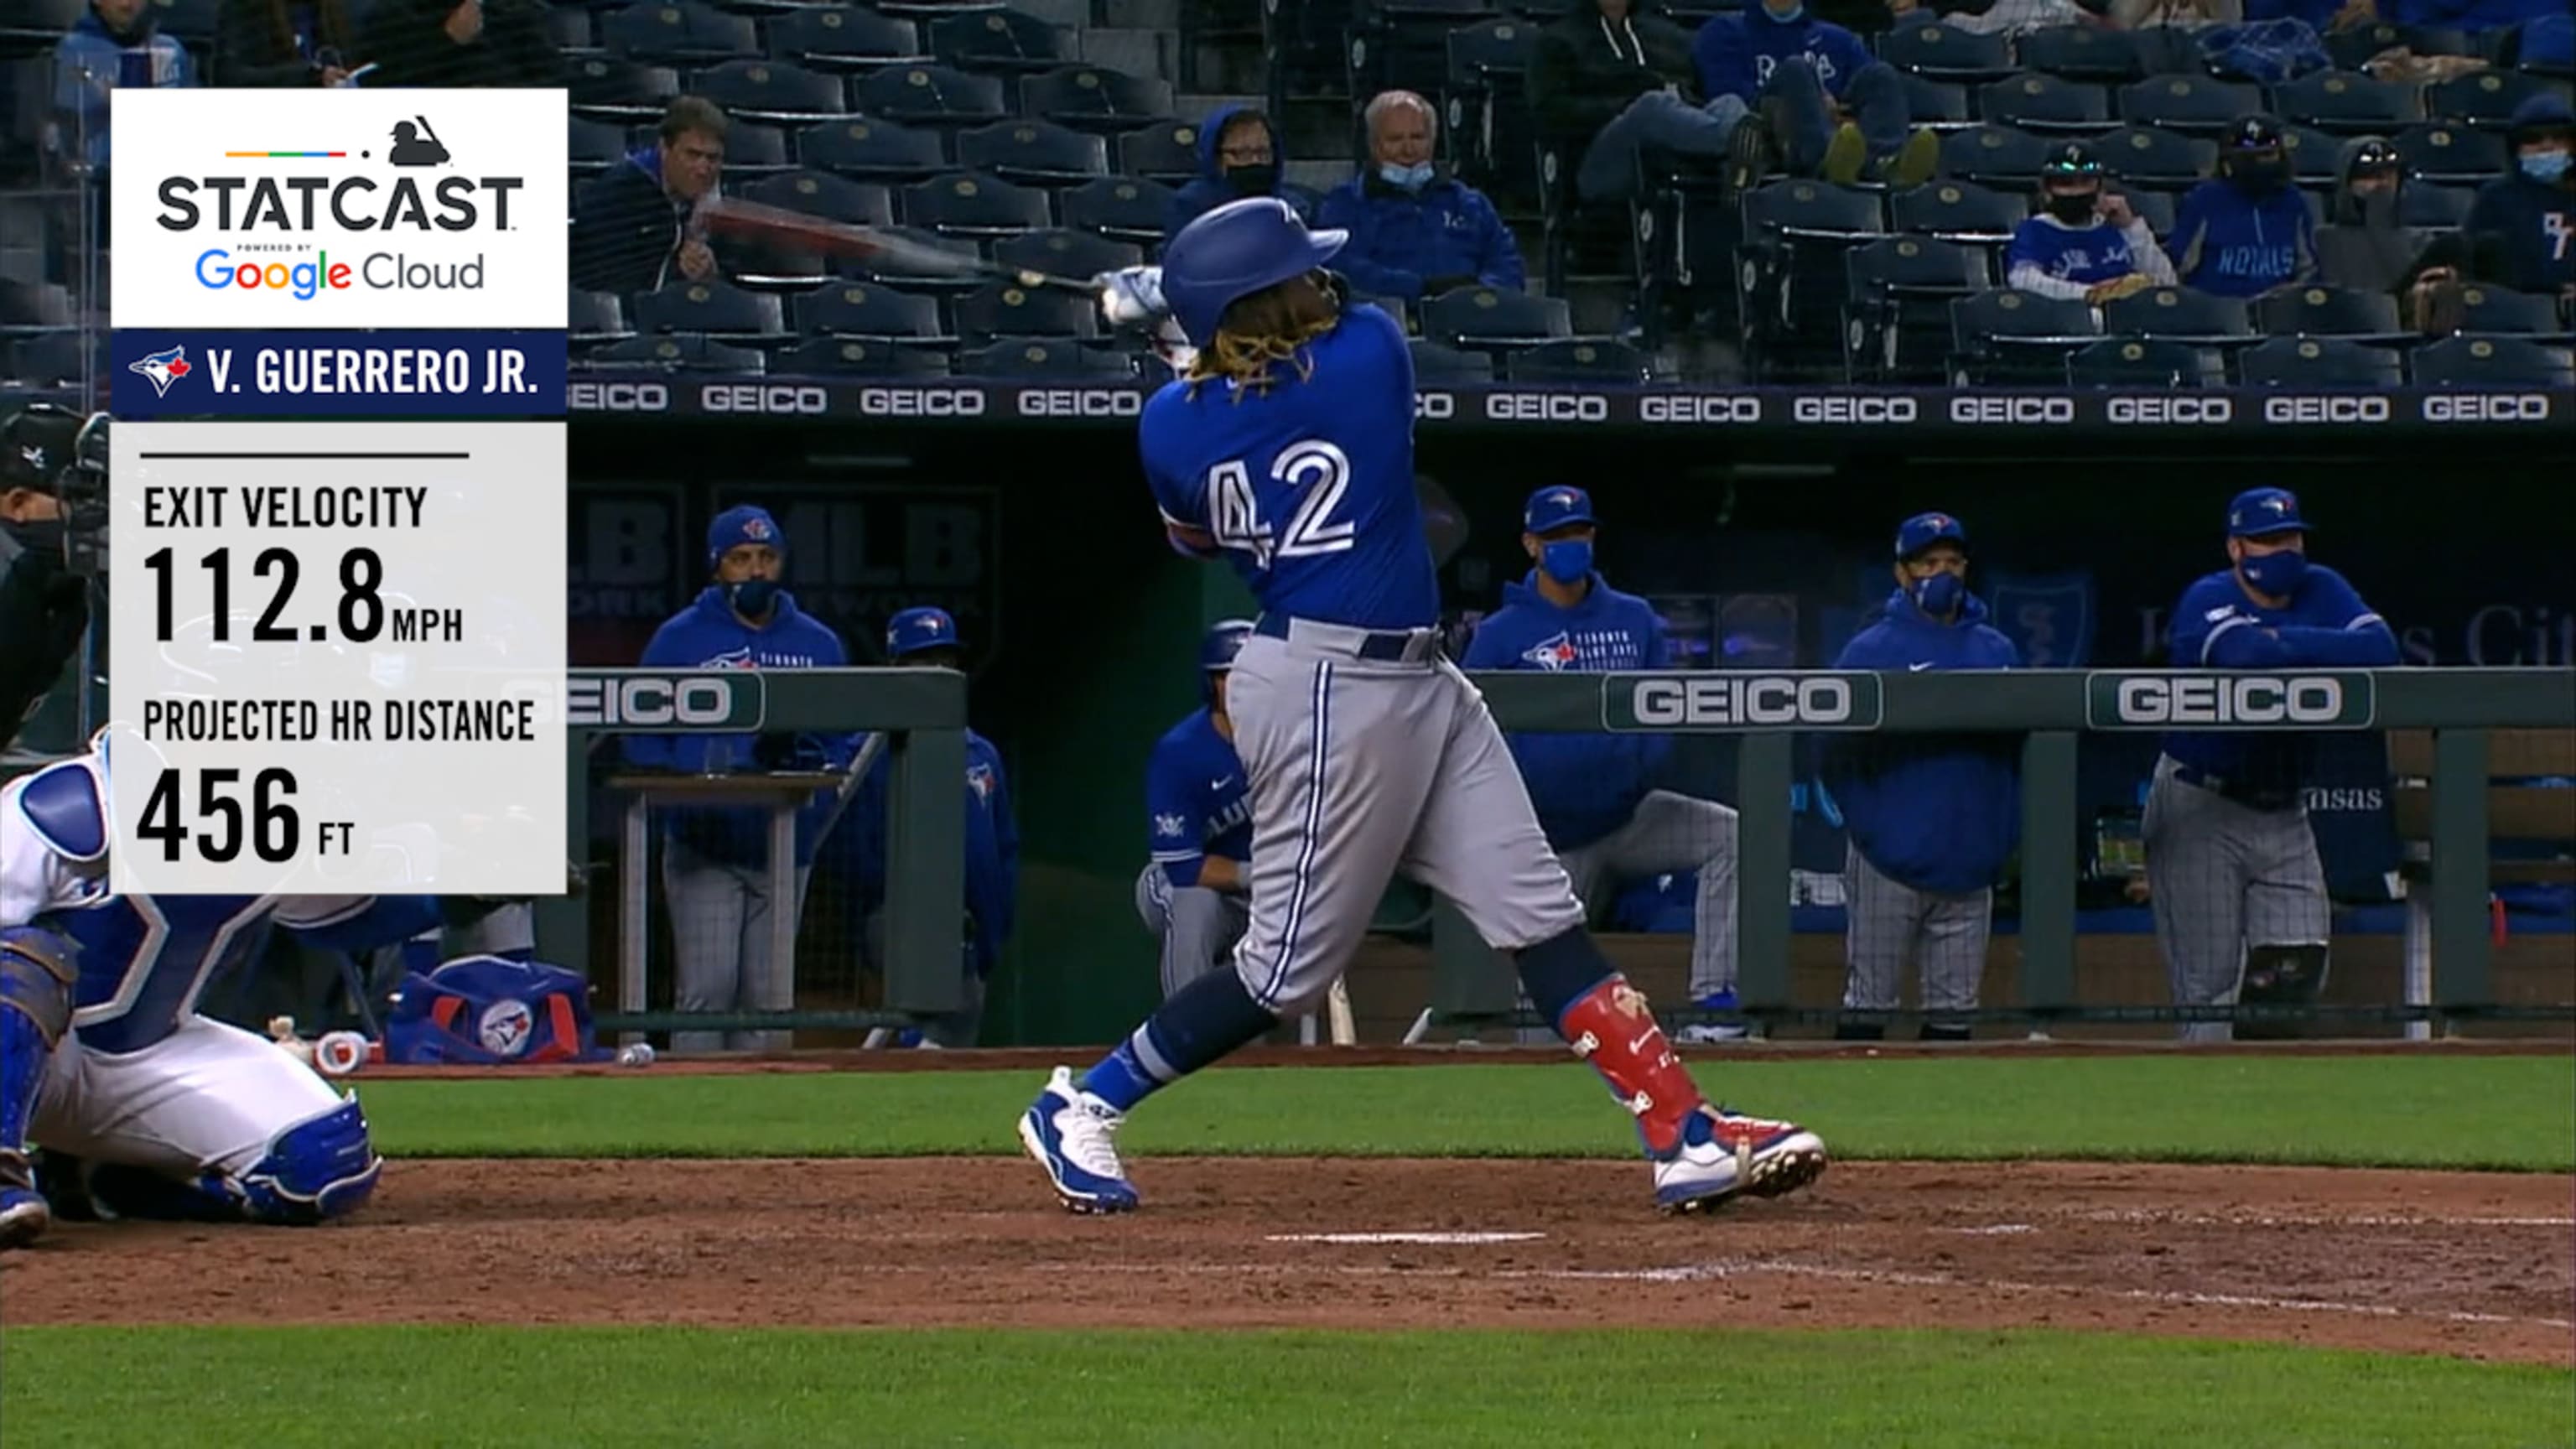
{"type": "Point", "coordinates": [2476, 1265]}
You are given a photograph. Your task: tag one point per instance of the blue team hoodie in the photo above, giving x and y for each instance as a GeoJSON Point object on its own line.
{"type": "Point", "coordinates": [1209, 190]}
{"type": "Point", "coordinates": [2229, 244]}
{"type": "Point", "coordinates": [1583, 785]}
{"type": "Point", "coordinates": [992, 849]}
{"type": "Point", "coordinates": [1401, 238]}
{"type": "Point", "coordinates": [1736, 53]}
{"type": "Point", "coordinates": [708, 635]}
{"type": "Point", "coordinates": [1936, 812]}
{"type": "Point", "coordinates": [2532, 253]}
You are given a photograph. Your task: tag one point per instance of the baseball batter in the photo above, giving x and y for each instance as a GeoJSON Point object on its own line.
{"type": "Point", "coordinates": [1198, 828]}
{"type": "Point", "coordinates": [2232, 870]}
{"type": "Point", "coordinates": [144, 1108]}
{"type": "Point", "coordinates": [1287, 451]}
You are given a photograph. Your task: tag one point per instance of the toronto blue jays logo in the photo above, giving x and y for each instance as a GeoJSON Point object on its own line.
{"type": "Point", "coordinates": [757, 530]}
{"type": "Point", "coordinates": [1171, 825]}
{"type": "Point", "coordinates": [162, 368]}
{"type": "Point", "coordinates": [979, 778]}
{"type": "Point", "coordinates": [732, 659]}
{"type": "Point", "coordinates": [1557, 653]}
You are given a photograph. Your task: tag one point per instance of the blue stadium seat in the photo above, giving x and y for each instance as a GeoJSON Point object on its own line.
{"type": "Point", "coordinates": [2484, 99]}
{"type": "Point", "coordinates": [1821, 209]}
{"type": "Point", "coordinates": [771, 91]}
{"type": "Point", "coordinates": [2352, 47]}
{"type": "Point", "coordinates": [1936, 104]}
{"type": "Point", "coordinates": [2158, 209]}
{"type": "Point", "coordinates": [1960, 210]}
{"type": "Point", "coordinates": [844, 38]}
{"type": "Point", "coordinates": [2167, 50]}
{"type": "Point", "coordinates": [2144, 362]}
{"type": "Point", "coordinates": [823, 194]}
{"type": "Point", "coordinates": [870, 149]}
{"type": "Point", "coordinates": [1993, 156]}
{"type": "Point", "coordinates": [1004, 41]}
{"type": "Point", "coordinates": [591, 318]}
{"type": "Point", "coordinates": [969, 204]}
{"type": "Point", "coordinates": [1042, 357]}
{"type": "Point", "coordinates": [192, 21]}
{"type": "Point", "coordinates": [2435, 206]}
{"type": "Point", "coordinates": [1486, 125]}
{"type": "Point", "coordinates": [678, 354]}
{"type": "Point", "coordinates": [931, 95]}
{"type": "Point", "coordinates": [2178, 313]}
{"type": "Point", "coordinates": [1059, 252]}
{"type": "Point", "coordinates": [1165, 152]}
{"type": "Point", "coordinates": [615, 89]}
{"type": "Point", "coordinates": [910, 275]}
{"type": "Point", "coordinates": [1006, 309]}
{"type": "Point", "coordinates": [2316, 159]}
{"type": "Point", "coordinates": [2469, 361]}
{"type": "Point", "coordinates": [2318, 362]}
{"type": "Point", "coordinates": [1033, 153]}
{"type": "Point", "coordinates": [47, 359]}
{"type": "Point", "coordinates": [2348, 103]}
{"type": "Point", "coordinates": [1121, 207]}
{"type": "Point", "coordinates": [2328, 312]}
{"type": "Point", "coordinates": [1945, 52]}
{"type": "Point", "coordinates": [1896, 304]}
{"type": "Point", "coordinates": [2009, 336]}
{"type": "Point", "coordinates": [2037, 101]}
{"type": "Point", "coordinates": [1582, 360]}
{"type": "Point", "coordinates": [2493, 310]}
{"type": "Point", "coordinates": [596, 145]}
{"type": "Point", "coordinates": [860, 357]}
{"type": "Point", "coordinates": [874, 313]}
{"type": "Point", "coordinates": [752, 149]}
{"type": "Point", "coordinates": [1494, 318]}
{"type": "Point", "coordinates": [1436, 365]}
{"type": "Point", "coordinates": [2153, 156]}
{"type": "Point", "coordinates": [2081, 53]}
{"type": "Point", "coordinates": [677, 32]}
{"type": "Point", "coordinates": [2188, 103]}
{"type": "Point", "coordinates": [36, 307]}
{"type": "Point", "coordinates": [716, 310]}
{"type": "Point", "coordinates": [2439, 151]}
{"type": "Point", "coordinates": [1090, 98]}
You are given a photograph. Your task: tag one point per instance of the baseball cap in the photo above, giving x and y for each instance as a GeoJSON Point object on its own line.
{"type": "Point", "coordinates": [36, 445]}
{"type": "Point", "coordinates": [1926, 529]}
{"type": "Point", "coordinates": [913, 630]}
{"type": "Point", "coordinates": [2258, 511]}
{"type": "Point", "coordinates": [741, 524]}
{"type": "Point", "coordinates": [1553, 508]}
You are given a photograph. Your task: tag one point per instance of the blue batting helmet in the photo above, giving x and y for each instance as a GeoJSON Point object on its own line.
{"type": "Point", "coordinates": [911, 631]}
{"type": "Point", "coordinates": [1234, 251]}
{"type": "Point", "coordinates": [1217, 648]}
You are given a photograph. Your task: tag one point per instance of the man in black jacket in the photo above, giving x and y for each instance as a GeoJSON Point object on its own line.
{"type": "Point", "coordinates": [634, 227]}
{"type": "Point", "coordinates": [44, 607]}
{"type": "Point", "coordinates": [456, 44]}
{"type": "Point", "coordinates": [1614, 80]}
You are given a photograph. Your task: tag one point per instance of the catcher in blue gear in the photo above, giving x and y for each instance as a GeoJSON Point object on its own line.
{"type": "Point", "coordinates": [1198, 827]}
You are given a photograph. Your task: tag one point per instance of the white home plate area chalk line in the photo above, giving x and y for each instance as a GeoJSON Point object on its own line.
{"type": "Point", "coordinates": [2180, 1219]}
{"type": "Point", "coordinates": [1442, 1239]}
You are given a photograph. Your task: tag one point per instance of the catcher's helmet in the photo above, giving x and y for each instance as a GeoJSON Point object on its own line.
{"type": "Point", "coordinates": [2073, 161]}
{"type": "Point", "coordinates": [1234, 251]}
{"type": "Point", "coordinates": [1217, 648]}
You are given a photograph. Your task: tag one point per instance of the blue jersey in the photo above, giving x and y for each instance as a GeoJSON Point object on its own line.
{"type": "Point", "coordinates": [1583, 786]}
{"type": "Point", "coordinates": [1307, 488]}
{"type": "Point", "coordinates": [2218, 626]}
{"type": "Point", "coordinates": [1194, 800]}
{"type": "Point", "coordinates": [1937, 812]}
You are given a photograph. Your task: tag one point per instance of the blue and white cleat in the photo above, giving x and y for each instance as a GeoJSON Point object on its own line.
{"type": "Point", "coordinates": [1725, 1153]}
{"type": "Point", "coordinates": [24, 1215]}
{"type": "Point", "coordinates": [1073, 1135]}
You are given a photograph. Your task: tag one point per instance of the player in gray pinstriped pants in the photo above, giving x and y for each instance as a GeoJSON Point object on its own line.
{"type": "Point", "coordinates": [1198, 926]}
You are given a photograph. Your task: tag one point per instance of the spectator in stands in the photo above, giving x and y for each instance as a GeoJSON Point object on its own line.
{"type": "Point", "coordinates": [2246, 231]}
{"type": "Point", "coordinates": [2527, 220]}
{"type": "Point", "coordinates": [2175, 14]}
{"type": "Point", "coordinates": [2085, 242]}
{"type": "Point", "coordinates": [1838, 112]}
{"type": "Point", "coordinates": [1415, 230]}
{"type": "Point", "coordinates": [1238, 157]}
{"type": "Point", "coordinates": [1610, 79]}
{"type": "Point", "coordinates": [2366, 247]}
{"type": "Point", "coordinates": [118, 43]}
{"type": "Point", "coordinates": [270, 43]}
{"type": "Point", "coordinates": [2013, 17]}
{"type": "Point", "coordinates": [2322, 16]}
{"type": "Point", "coordinates": [635, 227]}
{"type": "Point", "coordinates": [457, 43]}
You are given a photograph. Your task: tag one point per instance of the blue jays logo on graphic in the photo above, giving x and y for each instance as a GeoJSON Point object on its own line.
{"type": "Point", "coordinates": [732, 659]}
{"type": "Point", "coordinates": [757, 530]}
{"type": "Point", "coordinates": [979, 778]}
{"type": "Point", "coordinates": [1552, 654]}
{"type": "Point", "coordinates": [162, 368]}
{"type": "Point", "coordinates": [2048, 618]}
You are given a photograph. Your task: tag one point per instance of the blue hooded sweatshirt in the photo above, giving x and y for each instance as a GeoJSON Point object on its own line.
{"type": "Point", "coordinates": [2530, 224]}
{"type": "Point", "coordinates": [1939, 813]}
{"type": "Point", "coordinates": [1583, 785]}
{"type": "Point", "coordinates": [1736, 53]}
{"type": "Point", "coordinates": [1211, 190]}
{"type": "Point", "coordinates": [2229, 244]}
{"type": "Point", "coordinates": [992, 850]}
{"type": "Point", "coordinates": [1400, 238]}
{"type": "Point", "coordinates": [709, 635]}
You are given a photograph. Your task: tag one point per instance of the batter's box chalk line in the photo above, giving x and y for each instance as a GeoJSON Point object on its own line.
{"type": "Point", "coordinates": [1426, 1239]}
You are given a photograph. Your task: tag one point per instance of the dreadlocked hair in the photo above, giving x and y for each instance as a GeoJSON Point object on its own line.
{"type": "Point", "coordinates": [1270, 326]}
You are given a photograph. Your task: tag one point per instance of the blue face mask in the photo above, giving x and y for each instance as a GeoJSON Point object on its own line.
{"type": "Point", "coordinates": [752, 597]}
{"type": "Point", "coordinates": [1410, 178]}
{"type": "Point", "coordinates": [2275, 574]}
{"type": "Point", "coordinates": [2544, 165]}
{"type": "Point", "coordinates": [1937, 594]}
{"type": "Point", "coordinates": [1568, 560]}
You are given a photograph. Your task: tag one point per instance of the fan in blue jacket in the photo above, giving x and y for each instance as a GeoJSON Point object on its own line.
{"type": "Point", "coordinates": [1932, 818]}
{"type": "Point", "coordinates": [1415, 231]}
{"type": "Point", "coordinates": [1594, 793]}
{"type": "Point", "coordinates": [2527, 220]}
{"type": "Point", "coordinates": [1775, 51]}
{"type": "Point", "coordinates": [1238, 157]}
{"type": "Point", "coordinates": [715, 858]}
{"type": "Point", "coordinates": [2246, 231]}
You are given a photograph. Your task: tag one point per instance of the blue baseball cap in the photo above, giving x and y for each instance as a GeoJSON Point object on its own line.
{"type": "Point", "coordinates": [2258, 511]}
{"type": "Point", "coordinates": [1926, 529]}
{"type": "Point", "coordinates": [913, 630]}
{"type": "Point", "coordinates": [1554, 508]}
{"type": "Point", "coordinates": [741, 524]}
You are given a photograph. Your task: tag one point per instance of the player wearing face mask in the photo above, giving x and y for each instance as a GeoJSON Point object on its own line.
{"type": "Point", "coordinates": [2528, 218]}
{"type": "Point", "coordinates": [2247, 231]}
{"type": "Point", "coordinates": [2085, 243]}
{"type": "Point", "coordinates": [1239, 156]}
{"type": "Point", "coordinates": [1415, 231]}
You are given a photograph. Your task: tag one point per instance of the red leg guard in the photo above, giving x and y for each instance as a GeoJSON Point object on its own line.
{"type": "Point", "coordinates": [1611, 1027]}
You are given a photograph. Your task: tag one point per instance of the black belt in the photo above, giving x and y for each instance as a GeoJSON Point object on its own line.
{"type": "Point", "coordinates": [2269, 797]}
{"type": "Point", "coordinates": [1376, 648]}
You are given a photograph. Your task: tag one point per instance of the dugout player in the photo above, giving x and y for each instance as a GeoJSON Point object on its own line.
{"type": "Point", "coordinates": [715, 858]}
{"type": "Point", "coordinates": [2232, 869]}
{"type": "Point", "coordinates": [1930, 819]}
{"type": "Point", "coordinates": [1593, 792]}
{"type": "Point", "coordinates": [1287, 450]}
{"type": "Point", "coordinates": [44, 605]}
{"type": "Point", "coordinates": [1198, 827]}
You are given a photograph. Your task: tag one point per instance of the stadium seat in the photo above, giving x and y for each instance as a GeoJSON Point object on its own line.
{"type": "Point", "coordinates": [2081, 53]}
{"type": "Point", "coordinates": [1935, 104]}
{"type": "Point", "coordinates": [45, 359]}
{"type": "Point", "coordinates": [859, 357]}
{"type": "Point", "coordinates": [613, 88]}
{"type": "Point", "coordinates": [1046, 357]}
{"type": "Point", "coordinates": [595, 317]}
{"type": "Point", "coordinates": [931, 95]}
{"type": "Point", "coordinates": [2318, 362]}
{"type": "Point", "coordinates": [1945, 52]}
{"type": "Point", "coordinates": [2144, 362]}
{"type": "Point", "coordinates": [2467, 361]}
{"type": "Point", "coordinates": [912, 275]}
{"type": "Point", "coordinates": [2188, 103]}
{"type": "Point", "coordinates": [567, 29]}
{"type": "Point", "coordinates": [2353, 47]}
{"type": "Point", "coordinates": [2153, 156]}
{"type": "Point", "coordinates": [2179, 313]}
{"type": "Point", "coordinates": [2158, 209]}
{"type": "Point", "coordinates": [2007, 336]}
{"type": "Point", "coordinates": [33, 24]}
{"type": "Point", "coordinates": [2327, 312]}
{"type": "Point", "coordinates": [1401, 44]}
{"type": "Point", "coordinates": [1959, 210]}
{"type": "Point", "coordinates": [882, 314]}
{"type": "Point", "coordinates": [1062, 253]}
{"type": "Point", "coordinates": [677, 32]}
{"type": "Point", "coordinates": [771, 91]}
{"type": "Point", "coordinates": [1005, 309]}
{"type": "Point", "coordinates": [1435, 364]}
{"type": "Point", "coordinates": [752, 149]}
{"type": "Point", "coordinates": [1490, 317]}
{"type": "Point", "coordinates": [36, 307]}
{"type": "Point", "coordinates": [844, 38]}
{"type": "Point", "coordinates": [1127, 209]}
{"type": "Point", "coordinates": [1993, 156]}
{"type": "Point", "coordinates": [871, 149]}
{"type": "Point", "coordinates": [970, 204]}
{"type": "Point", "coordinates": [2316, 159]}
{"type": "Point", "coordinates": [1168, 153]}
{"type": "Point", "coordinates": [2347, 103]}
{"type": "Point", "coordinates": [1487, 126]}
{"type": "Point", "coordinates": [595, 145]}
{"type": "Point", "coordinates": [1896, 302]}
{"type": "Point", "coordinates": [1582, 360]}
{"type": "Point", "coordinates": [2438, 151]}
{"type": "Point", "coordinates": [1006, 42]}
{"type": "Point", "coordinates": [2434, 206]}
{"type": "Point", "coordinates": [191, 21]}
{"type": "Point", "coordinates": [1789, 271]}
{"type": "Point", "coordinates": [1799, 207]}
{"type": "Point", "coordinates": [2494, 309]}
{"type": "Point", "coordinates": [1033, 153]}
{"type": "Point", "coordinates": [820, 193]}
{"type": "Point", "coordinates": [1089, 98]}
{"type": "Point", "coordinates": [2037, 101]}
{"type": "Point", "coordinates": [679, 354]}
{"type": "Point", "coordinates": [711, 309]}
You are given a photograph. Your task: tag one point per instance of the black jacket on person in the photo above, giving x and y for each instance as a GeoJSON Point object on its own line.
{"type": "Point", "coordinates": [43, 609]}
{"type": "Point", "coordinates": [627, 231]}
{"type": "Point", "coordinates": [253, 51]}
{"type": "Point", "coordinates": [406, 41]}
{"type": "Point", "coordinates": [1585, 69]}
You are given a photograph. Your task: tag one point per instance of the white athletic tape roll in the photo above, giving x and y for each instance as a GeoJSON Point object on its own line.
{"type": "Point", "coordinates": [339, 1053]}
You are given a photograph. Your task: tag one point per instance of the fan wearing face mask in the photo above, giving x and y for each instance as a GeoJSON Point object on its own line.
{"type": "Point", "coordinates": [1415, 230]}
{"type": "Point", "coordinates": [1595, 794]}
{"type": "Point", "coordinates": [2085, 242]}
{"type": "Point", "coordinates": [2528, 217]}
{"type": "Point", "coordinates": [2246, 231]}
{"type": "Point", "coordinates": [1239, 156]}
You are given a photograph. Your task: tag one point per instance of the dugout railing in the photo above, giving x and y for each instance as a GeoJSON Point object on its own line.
{"type": "Point", "coordinates": [2457, 708]}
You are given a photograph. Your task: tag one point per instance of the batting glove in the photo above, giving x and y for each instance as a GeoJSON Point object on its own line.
{"type": "Point", "coordinates": [1131, 296]}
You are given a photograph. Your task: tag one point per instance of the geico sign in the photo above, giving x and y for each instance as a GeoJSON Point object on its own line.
{"type": "Point", "coordinates": [921, 402]}
{"type": "Point", "coordinates": [700, 700]}
{"type": "Point", "coordinates": [2171, 410]}
{"type": "Point", "coordinates": [2250, 699]}
{"type": "Point", "coordinates": [2325, 409]}
{"type": "Point", "coordinates": [618, 397]}
{"type": "Point", "coordinates": [1438, 406]}
{"type": "Point", "coordinates": [1981, 411]}
{"type": "Point", "coordinates": [1546, 407]}
{"type": "Point", "coordinates": [1854, 410]}
{"type": "Point", "coordinates": [2481, 407]}
{"type": "Point", "coordinates": [1081, 402]}
{"type": "Point", "coordinates": [1747, 700]}
{"type": "Point", "coordinates": [762, 397]}
{"type": "Point", "coordinates": [1699, 410]}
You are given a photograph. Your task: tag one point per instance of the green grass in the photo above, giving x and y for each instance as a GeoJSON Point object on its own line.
{"type": "Point", "coordinates": [2505, 1113]}
{"type": "Point", "coordinates": [283, 1388]}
